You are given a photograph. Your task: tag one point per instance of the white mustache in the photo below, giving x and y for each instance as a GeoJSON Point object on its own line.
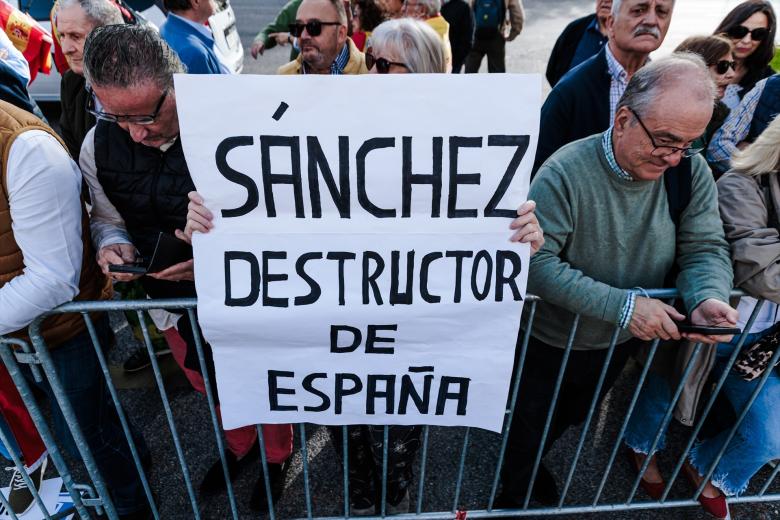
{"type": "Point", "coordinates": [652, 30]}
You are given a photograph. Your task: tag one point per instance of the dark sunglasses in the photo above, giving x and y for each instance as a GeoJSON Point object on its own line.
{"type": "Point", "coordinates": [382, 65]}
{"type": "Point", "coordinates": [313, 27]}
{"type": "Point", "coordinates": [740, 31]}
{"type": "Point", "coordinates": [123, 118]}
{"type": "Point", "coordinates": [722, 66]}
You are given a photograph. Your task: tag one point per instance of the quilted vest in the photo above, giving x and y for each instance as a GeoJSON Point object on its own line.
{"type": "Point", "coordinates": [766, 110]}
{"type": "Point", "coordinates": [93, 285]}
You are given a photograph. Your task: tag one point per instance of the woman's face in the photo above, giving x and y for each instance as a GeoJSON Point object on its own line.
{"type": "Point", "coordinates": [747, 45]}
{"type": "Point", "coordinates": [722, 79]}
{"type": "Point", "coordinates": [386, 61]}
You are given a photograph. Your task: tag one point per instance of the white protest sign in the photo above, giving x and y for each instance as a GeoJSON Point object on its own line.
{"type": "Point", "coordinates": [360, 269]}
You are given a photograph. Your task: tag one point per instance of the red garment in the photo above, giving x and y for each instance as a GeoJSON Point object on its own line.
{"type": "Point", "coordinates": [18, 419]}
{"type": "Point", "coordinates": [32, 40]}
{"type": "Point", "coordinates": [359, 39]}
{"type": "Point", "coordinates": [278, 438]}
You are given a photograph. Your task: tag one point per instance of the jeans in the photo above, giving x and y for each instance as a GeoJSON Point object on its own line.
{"type": "Point", "coordinates": [756, 442]}
{"type": "Point", "coordinates": [79, 373]}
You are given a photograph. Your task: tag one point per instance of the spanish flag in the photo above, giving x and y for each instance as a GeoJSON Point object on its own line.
{"type": "Point", "coordinates": [32, 40]}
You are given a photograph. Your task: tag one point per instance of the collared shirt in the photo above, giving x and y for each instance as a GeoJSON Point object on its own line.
{"type": "Point", "coordinates": [606, 142]}
{"type": "Point", "coordinates": [337, 67]}
{"type": "Point", "coordinates": [43, 185]}
{"type": "Point", "coordinates": [618, 84]}
{"type": "Point", "coordinates": [734, 130]}
{"type": "Point", "coordinates": [589, 45]}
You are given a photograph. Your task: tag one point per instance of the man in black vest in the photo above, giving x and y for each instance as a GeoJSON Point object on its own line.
{"type": "Point", "coordinates": [138, 177]}
{"type": "Point", "coordinates": [584, 100]}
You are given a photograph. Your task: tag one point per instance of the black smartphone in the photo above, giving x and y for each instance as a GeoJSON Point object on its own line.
{"type": "Point", "coordinates": [127, 268]}
{"type": "Point", "coordinates": [707, 330]}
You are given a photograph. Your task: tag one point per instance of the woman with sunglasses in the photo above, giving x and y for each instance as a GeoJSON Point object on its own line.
{"type": "Point", "coordinates": [405, 45]}
{"type": "Point", "coordinates": [751, 26]}
{"type": "Point", "coordinates": [717, 53]}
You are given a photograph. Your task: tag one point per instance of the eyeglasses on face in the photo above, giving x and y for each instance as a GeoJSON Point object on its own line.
{"type": "Point", "coordinates": [124, 118]}
{"type": "Point", "coordinates": [722, 66]}
{"type": "Point", "coordinates": [662, 151]}
{"type": "Point", "coordinates": [313, 27]}
{"type": "Point", "coordinates": [382, 65]}
{"type": "Point", "coordinates": [740, 31]}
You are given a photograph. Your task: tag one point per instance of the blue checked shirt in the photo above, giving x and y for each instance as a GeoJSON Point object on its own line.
{"type": "Point", "coordinates": [606, 142]}
{"type": "Point", "coordinates": [337, 67]}
{"type": "Point", "coordinates": [734, 130]}
{"type": "Point", "coordinates": [618, 83]}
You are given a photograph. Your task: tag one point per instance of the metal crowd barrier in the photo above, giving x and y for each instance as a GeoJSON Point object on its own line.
{"type": "Point", "coordinates": [94, 497]}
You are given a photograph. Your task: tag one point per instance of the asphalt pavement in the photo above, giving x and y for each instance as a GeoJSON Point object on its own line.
{"type": "Point", "coordinates": [142, 400]}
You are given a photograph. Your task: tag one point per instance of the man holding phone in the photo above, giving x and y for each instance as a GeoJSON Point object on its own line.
{"type": "Point", "coordinates": [134, 165]}
{"type": "Point", "coordinates": [611, 228]}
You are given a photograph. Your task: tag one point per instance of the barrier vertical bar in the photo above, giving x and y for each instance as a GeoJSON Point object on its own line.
{"type": "Point", "coordinates": [423, 463]}
{"type": "Point", "coordinates": [711, 401]}
{"type": "Point", "coordinates": [385, 447]}
{"type": "Point", "coordinates": [345, 456]}
{"type": "Point", "coordinates": [550, 414]}
{"type": "Point", "coordinates": [591, 411]}
{"type": "Point", "coordinates": [213, 411]}
{"type": "Point", "coordinates": [120, 413]}
{"type": "Point", "coordinates": [168, 413]}
{"type": "Point", "coordinates": [622, 432]}
{"type": "Point", "coordinates": [665, 421]}
{"type": "Point", "coordinates": [47, 363]}
{"type": "Point", "coordinates": [305, 457]}
{"type": "Point", "coordinates": [266, 477]}
{"type": "Point", "coordinates": [461, 466]}
{"type": "Point", "coordinates": [512, 403]}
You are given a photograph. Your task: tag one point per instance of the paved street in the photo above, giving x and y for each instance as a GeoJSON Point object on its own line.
{"type": "Point", "coordinates": [527, 54]}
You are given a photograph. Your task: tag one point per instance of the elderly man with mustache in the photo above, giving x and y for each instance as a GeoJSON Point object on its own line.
{"type": "Point", "coordinates": [583, 102]}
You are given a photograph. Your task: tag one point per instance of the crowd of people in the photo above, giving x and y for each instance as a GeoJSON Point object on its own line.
{"type": "Point", "coordinates": [626, 199]}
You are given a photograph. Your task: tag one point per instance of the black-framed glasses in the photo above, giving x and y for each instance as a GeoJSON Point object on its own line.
{"type": "Point", "coordinates": [665, 150]}
{"type": "Point", "coordinates": [740, 31]}
{"type": "Point", "coordinates": [722, 66]}
{"type": "Point", "coordinates": [313, 27]}
{"type": "Point", "coordinates": [382, 65]}
{"type": "Point", "coordinates": [124, 118]}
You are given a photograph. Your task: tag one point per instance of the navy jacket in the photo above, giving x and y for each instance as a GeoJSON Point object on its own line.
{"type": "Point", "coordinates": [565, 47]}
{"type": "Point", "coordinates": [13, 88]}
{"type": "Point", "coordinates": [195, 50]}
{"type": "Point", "coordinates": [577, 107]}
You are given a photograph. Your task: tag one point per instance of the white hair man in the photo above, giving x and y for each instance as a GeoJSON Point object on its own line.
{"type": "Point", "coordinates": [583, 102]}
{"type": "Point", "coordinates": [634, 236]}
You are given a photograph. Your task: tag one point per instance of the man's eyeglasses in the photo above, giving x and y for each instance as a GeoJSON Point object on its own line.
{"type": "Point", "coordinates": [665, 150]}
{"type": "Point", "coordinates": [382, 65]}
{"type": "Point", "coordinates": [723, 66]}
{"type": "Point", "coordinates": [122, 118]}
{"type": "Point", "coordinates": [313, 27]}
{"type": "Point", "coordinates": [740, 31]}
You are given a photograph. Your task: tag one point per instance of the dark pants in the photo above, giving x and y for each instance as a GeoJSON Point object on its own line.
{"type": "Point", "coordinates": [365, 458]}
{"type": "Point", "coordinates": [537, 385]}
{"type": "Point", "coordinates": [493, 48]}
{"type": "Point", "coordinates": [81, 378]}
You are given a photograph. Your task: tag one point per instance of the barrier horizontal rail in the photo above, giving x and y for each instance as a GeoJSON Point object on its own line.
{"type": "Point", "coordinates": [595, 504]}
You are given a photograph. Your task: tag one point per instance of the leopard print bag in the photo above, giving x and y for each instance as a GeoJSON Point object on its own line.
{"type": "Point", "coordinates": [754, 359]}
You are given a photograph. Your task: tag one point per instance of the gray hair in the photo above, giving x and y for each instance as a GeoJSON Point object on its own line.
{"type": "Point", "coordinates": [652, 80]}
{"type": "Point", "coordinates": [432, 7]}
{"type": "Point", "coordinates": [616, 7]}
{"type": "Point", "coordinates": [128, 55]}
{"type": "Point", "coordinates": [414, 42]}
{"type": "Point", "coordinates": [100, 12]}
{"type": "Point", "coordinates": [762, 156]}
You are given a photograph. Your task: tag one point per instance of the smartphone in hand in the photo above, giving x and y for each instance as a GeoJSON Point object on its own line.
{"type": "Point", "coordinates": [707, 330]}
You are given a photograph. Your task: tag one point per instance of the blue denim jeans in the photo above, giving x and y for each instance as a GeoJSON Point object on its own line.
{"type": "Point", "coordinates": [756, 442]}
{"type": "Point", "coordinates": [82, 380]}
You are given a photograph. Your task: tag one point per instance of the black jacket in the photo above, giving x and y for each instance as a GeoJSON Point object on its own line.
{"type": "Point", "coordinates": [461, 19]}
{"type": "Point", "coordinates": [13, 88]}
{"type": "Point", "coordinates": [577, 107]}
{"type": "Point", "coordinates": [148, 187]}
{"type": "Point", "coordinates": [565, 47]}
{"type": "Point", "coordinates": [75, 121]}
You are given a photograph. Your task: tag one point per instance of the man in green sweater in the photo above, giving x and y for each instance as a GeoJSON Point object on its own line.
{"type": "Point", "coordinates": [603, 205]}
{"type": "Point", "coordinates": [277, 31]}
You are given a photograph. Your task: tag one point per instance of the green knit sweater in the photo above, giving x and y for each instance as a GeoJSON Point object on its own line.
{"type": "Point", "coordinates": [605, 235]}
